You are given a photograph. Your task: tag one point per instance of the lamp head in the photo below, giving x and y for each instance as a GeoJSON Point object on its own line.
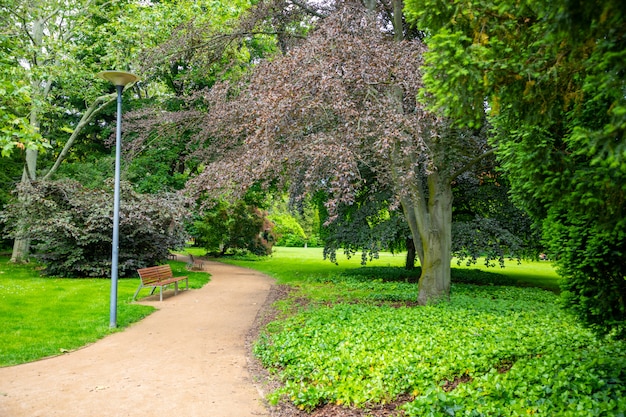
{"type": "Point", "coordinates": [118, 78]}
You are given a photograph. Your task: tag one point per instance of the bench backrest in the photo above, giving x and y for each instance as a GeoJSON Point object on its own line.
{"type": "Point", "coordinates": [154, 274]}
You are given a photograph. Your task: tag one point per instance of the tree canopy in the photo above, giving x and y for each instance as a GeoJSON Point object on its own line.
{"type": "Point", "coordinates": [332, 107]}
{"type": "Point", "coordinates": [551, 76]}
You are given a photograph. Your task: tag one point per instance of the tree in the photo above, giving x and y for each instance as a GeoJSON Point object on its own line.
{"type": "Point", "coordinates": [485, 223]}
{"type": "Point", "coordinates": [53, 49]}
{"type": "Point", "coordinates": [43, 34]}
{"type": "Point", "coordinates": [552, 76]}
{"type": "Point", "coordinates": [341, 102]}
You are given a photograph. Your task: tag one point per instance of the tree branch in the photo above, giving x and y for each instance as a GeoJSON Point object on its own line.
{"type": "Point", "coordinates": [220, 41]}
{"type": "Point", "coordinates": [307, 9]}
{"type": "Point", "coordinates": [95, 108]}
{"type": "Point", "coordinates": [472, 163]}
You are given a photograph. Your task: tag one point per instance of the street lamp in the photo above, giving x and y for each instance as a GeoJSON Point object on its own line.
{"type": "Point", "coordinates": [119, 79]}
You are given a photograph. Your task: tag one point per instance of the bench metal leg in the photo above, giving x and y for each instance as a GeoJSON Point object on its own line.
{"type": "Point", "coordinates": [137, 292]}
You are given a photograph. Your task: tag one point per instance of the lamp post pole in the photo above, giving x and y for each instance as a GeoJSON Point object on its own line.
{"type": "Point", "coordinates": [119, 79]}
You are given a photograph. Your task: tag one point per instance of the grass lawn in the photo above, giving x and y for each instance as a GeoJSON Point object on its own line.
{"type": "Point", "coordinates": [47, 316]}
{"type": "Point", "coordinates": [292, 264]}
{"type": "Point", "coordinates": [527, 273]}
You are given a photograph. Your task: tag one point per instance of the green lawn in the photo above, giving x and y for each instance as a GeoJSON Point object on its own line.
{"type": "Point", "coordinates": [292, 264]}
{"type": "Point", "coordinates": [532, 273]}
{"type": "Point", "coordinates": [47, 316]}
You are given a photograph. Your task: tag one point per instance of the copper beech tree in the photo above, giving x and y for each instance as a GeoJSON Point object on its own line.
{"type": "Point", "coordinates": [342, 101]}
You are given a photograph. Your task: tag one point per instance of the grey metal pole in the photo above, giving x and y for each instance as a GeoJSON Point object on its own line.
{"type": "Point", "coordinates": [116, 210]}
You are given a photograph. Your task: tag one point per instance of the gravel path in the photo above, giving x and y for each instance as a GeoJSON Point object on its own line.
{"type": "Point", "coordinates": [187, 359]}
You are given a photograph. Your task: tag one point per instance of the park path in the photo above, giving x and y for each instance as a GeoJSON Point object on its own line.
{"type": "Point", "coordinates": [188, 359]}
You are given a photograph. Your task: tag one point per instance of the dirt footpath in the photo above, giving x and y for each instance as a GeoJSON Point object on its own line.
{"type": "Point", "coordinates": [187, 359]}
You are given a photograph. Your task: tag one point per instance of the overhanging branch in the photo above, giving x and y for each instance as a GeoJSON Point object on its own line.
{"type": "Point", "coordinates": [472, 163]}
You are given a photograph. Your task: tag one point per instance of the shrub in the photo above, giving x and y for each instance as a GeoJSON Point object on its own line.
{"type": "Point", "coordinates": [288, 231]}
{"type": "Point", "coordinates": [592, 259]}
{"type": "Point", "coordinates": [235, 226]}
{"type": "Point", "coordinates": [71, 226]}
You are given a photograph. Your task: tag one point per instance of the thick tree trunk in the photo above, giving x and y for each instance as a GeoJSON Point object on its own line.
{"type": "Point", "coordinates": [21, 245]}
{"type": "Point", "coordinates": [434, 283]}
{"type": "Point", "coordinates": [432, 227]}
{"type": "Point", "coordinates": [398, 24]}
{"type": "Point", "coordinates": [21, 249]}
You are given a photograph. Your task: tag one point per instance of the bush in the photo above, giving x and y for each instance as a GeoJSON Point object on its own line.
{"type": "Point", "coordinates": [70, 227]}
{"type": "Point", "coordinates": [288, 231]}
{"type": "Point", "coordinates": [234, 226]}
{"type": "Point", "coordinates": [592, 259]}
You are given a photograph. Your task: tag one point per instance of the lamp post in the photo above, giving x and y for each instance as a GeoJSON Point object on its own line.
{"type": "Point", "coordinates": [119, 79]}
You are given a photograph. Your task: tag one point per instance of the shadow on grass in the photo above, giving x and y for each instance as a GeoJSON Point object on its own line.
{"type": "Point", "coordinates": [458, 275]}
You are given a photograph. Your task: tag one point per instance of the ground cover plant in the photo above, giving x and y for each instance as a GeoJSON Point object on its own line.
{"type": "Point", "coordinates": [359, 341]}
{"type": "Point", "coordinates": [49, 316]}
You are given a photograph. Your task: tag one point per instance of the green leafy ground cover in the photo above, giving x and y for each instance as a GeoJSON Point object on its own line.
{"type": "Point", "coordinates": [494, 350]}
{"type": "Point", "coordinates": [47, 316]}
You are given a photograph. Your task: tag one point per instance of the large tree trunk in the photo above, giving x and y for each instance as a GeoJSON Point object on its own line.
{"type": "Point", "coordinates": [431, 225]}
{"type": "Point", "coordinates": [21, 249]}
{"type": "Point", "coordinates": [434, 283]}
{"type": "Point", "coordinates": [21, 244]}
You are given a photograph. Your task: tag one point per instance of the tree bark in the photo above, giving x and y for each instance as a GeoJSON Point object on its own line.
{"type": "Point", "coordinates": [433, 229]}
{"type": "Point", "coordinates": [434, 283]}
{"type": "Point", "coordinates": [428, 211]}
{"type": "Point", "coordinates": [398, 24]}
{"type": "Point", "coordinates": [21, 244]}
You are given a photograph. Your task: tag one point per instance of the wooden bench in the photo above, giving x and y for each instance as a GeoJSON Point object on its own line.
{"type": "Point", "coordinates": [195, 264]}
{"type": "Point", "coordinates": [158, 277]}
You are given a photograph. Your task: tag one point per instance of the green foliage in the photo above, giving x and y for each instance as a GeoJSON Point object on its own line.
{"type": "Point", "coordinates": [159, 171]}
{"type": "Point", "coordinates": [582, 204]}
{"type": "Point", "coordinates": [236, 225]}
{"type": "Point", "coordinates": [288, 230]}
{"type": "Point", "coordinates": [296, 222]}
{"type": "Point", "coordinates": [551, 72]}
{"type": "Point", "coordinates": [47, 316]}
{"type": "Point", "coordinates": [517, 352]}
{"type": "Point", "coordinates": [593, 259]}
{"type": "Point", "coordinates": [15, 128]}
{"type": "Point", "coordinates": [71, 227]}
{"type": "Point", "coordinates": [91, 173]}
{"type": "Point", "coordinates": [574, 380]}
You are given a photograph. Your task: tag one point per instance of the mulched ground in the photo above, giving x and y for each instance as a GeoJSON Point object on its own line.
{"type": "Point", "coordinates": [267, 384]}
